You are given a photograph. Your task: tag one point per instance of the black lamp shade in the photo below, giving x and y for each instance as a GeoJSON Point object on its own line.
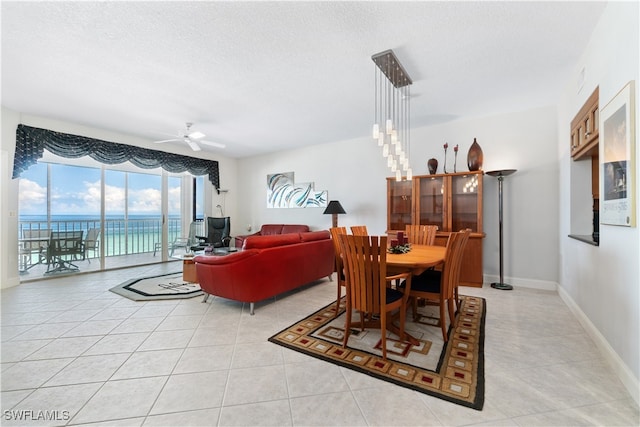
{"type": "Point", "coordinates": [334, 207]}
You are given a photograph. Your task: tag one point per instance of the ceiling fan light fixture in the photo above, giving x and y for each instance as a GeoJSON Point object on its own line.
{"type": "Point", "coordinates": [196, 135]}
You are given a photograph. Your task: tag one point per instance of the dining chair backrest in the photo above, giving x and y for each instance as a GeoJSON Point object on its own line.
{"type": "Point", "coordinates": [453, 262]}
{"type": "Point", "coordinates": [366, 271]}
{"type": "Point", "coordinates": [359, 230]}
{"type": "Point", "coordinates": [335, 233]}
{"type": "Point", "coordinates": [421, 234]}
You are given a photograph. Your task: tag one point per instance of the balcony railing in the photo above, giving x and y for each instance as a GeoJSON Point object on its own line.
{"type": "Point", "coordinates": [121, 236]}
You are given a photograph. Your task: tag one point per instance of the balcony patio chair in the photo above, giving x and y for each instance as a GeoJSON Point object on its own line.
{"type": "Point", "coordinates": [91, 243]}
{"type": "Point", "coordinates": [64, 247]}
{"type": "Point", "coordinates": [33, 242]}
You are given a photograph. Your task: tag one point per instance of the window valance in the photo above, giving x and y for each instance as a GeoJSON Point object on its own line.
{"type": "Point", "coordinates": [31, 143]}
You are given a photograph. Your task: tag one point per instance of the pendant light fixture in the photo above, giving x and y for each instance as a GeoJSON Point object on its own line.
{"type": "Point", "coordinates": [392, 112]}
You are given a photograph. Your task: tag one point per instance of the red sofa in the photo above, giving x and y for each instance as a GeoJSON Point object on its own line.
{"type": "Point", "coordinates": [267, 266]}
{"type": "Point", "coordinates": [271, 229]}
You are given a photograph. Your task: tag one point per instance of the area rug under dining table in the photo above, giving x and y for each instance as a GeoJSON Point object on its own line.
{"type": "Point", "coordinates": [453, 371]}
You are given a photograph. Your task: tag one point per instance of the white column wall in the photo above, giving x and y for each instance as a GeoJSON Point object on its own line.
{"type": "Point", "coordinates": [602, 283]}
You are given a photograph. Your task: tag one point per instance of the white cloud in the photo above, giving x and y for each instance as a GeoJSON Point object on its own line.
{"type": "Point", "coordinates": [32, 197]}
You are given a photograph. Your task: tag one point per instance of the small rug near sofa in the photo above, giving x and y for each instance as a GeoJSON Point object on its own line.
{"type": "Point", "coordinates": [165, 286]}
{"type": "Point", "coordinates": [453, 372]}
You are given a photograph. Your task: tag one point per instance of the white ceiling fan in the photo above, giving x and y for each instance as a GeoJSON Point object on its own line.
{"type": "Point", "coordinates": [193, 139]}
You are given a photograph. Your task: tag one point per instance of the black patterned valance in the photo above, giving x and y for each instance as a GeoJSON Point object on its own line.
{"type": "Point", "coordinates": [31, 143]}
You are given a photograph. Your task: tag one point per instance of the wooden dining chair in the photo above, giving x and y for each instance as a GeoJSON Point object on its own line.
{"type": "Point", "coordinates": [335, 233]}
{"type": "Point", "coordinates": [359, 230]}
{"type": "Point", "coordinates": [367, 285]}
{"type": "Point", "coordinates": [421, 234]}
{"type": "Point", "coordinates": [441, 285]}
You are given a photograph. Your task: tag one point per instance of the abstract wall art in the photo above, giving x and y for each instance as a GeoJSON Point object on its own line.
{"type": "Point", "coordinates": [284, 192]}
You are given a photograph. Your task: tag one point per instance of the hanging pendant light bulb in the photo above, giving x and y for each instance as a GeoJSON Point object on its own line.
{"type": "Point", "coordinates": [392, 110]}
{"type": "Point", "coordinates": [409, 174]}
{"type": "Point", "coordinates": [398, 175]}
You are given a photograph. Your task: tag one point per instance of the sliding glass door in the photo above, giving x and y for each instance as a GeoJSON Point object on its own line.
{"type": "Point", "coordinates": [134, 216]}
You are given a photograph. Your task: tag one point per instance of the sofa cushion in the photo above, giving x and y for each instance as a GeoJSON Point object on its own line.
{"type": "Point", "coordinates": [294, 228]}
{"type": "Point", "coordinates": [315, 235]}
{"type": "Point", "coordinates": [262, 242]}
{"type": "Point", "coordinates": [270, 229]}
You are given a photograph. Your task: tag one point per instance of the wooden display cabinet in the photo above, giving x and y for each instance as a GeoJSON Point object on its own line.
{"type": "Point", "coordinates": [452, 202]}
{"type": "Point", "coordinates": [399, 204]}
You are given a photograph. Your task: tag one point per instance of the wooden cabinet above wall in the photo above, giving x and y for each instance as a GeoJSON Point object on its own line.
{"type": "Point", "coordinates": [584, 129]}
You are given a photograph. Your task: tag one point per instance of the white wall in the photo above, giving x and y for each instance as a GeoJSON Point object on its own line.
{"type": "Point", "coordinates": [601, 283]}
{"type": "Point", "coordinates": [9, 187]}
{"type": "Point", "coordinates": [354, 173]}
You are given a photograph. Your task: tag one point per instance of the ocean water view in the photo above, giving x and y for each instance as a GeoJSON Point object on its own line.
{"type": "Point", "coordinates": [122, 236]}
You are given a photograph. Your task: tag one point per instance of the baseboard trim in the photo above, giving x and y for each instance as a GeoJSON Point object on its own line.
{"type": "Point", "coordinates": [525, 283]}
{"type": "Point", "coordinates": [621, 369]}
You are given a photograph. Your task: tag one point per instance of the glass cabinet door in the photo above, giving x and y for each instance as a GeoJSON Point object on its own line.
{"type": "Point", "coordinates": [399, 204]}
{"type": "Point", "coordinates": [465, 202]}
{"type": "Point", "coordinates": [430, 201]}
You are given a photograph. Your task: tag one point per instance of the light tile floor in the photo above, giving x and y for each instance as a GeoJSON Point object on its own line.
{"type": "Point", "coordinates": [84, 355]}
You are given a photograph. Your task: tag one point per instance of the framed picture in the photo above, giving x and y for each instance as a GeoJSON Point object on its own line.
{"type": "Point", "coordinates": [284, 192]}
{"type": "Point", "coordinates": [617, 130]}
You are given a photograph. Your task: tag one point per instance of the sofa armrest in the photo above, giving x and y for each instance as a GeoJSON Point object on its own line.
{"type": "Point", "coordinates": [226, 259]}
{"type": "Point", "coordinates": [240, 239]}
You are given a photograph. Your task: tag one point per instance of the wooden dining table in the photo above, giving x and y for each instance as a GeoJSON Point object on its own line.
{"type": "Point", "coordinates": [417, 260]}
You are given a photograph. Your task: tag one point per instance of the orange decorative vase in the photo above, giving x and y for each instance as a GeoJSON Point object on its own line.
{"type": "Point", "coordinates": [474, 157]}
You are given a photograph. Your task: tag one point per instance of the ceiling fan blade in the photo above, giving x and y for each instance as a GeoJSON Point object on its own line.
{"type": "Point", "coordinates": [213, 144]}
{"type": "Point", "coordinates": [193, 145]}
{"type": "Point", "coordinates": [166, 140]}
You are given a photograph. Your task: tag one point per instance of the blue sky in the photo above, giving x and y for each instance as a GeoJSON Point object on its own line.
{"type": "Point", "coordinates": [76, 191]}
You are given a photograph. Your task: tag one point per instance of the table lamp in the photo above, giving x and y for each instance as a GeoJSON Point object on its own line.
{"type": "Point", "coordinates": [334, 208]}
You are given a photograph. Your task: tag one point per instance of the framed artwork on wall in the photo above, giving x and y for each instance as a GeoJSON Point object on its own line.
{"type": "Point", "coordinates": [284, 192]}
{"type": "Point", "coordinates": [617, 129]}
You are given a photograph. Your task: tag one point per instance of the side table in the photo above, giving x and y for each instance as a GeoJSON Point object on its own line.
{"type": "Point", "coordinates": [189, 270]}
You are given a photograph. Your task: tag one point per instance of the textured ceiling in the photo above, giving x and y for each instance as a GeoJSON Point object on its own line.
{"type": "Point", "coordinates": [267, 76]}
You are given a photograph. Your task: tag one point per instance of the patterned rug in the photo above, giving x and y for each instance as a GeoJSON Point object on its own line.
{"type": "Point", "coordinates": [453, 372]}
{"type": "Point", "coordinates": [165, 286]}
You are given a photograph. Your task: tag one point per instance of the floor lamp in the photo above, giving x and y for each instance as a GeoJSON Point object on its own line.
{"type": "Point", "coordinates": [500, 174]}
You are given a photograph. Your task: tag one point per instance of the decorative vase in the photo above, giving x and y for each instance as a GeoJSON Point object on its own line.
{"type": "Point", "coordinates": [433, 166]}
{"type": "Point", "coordinates": [474, 157]}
